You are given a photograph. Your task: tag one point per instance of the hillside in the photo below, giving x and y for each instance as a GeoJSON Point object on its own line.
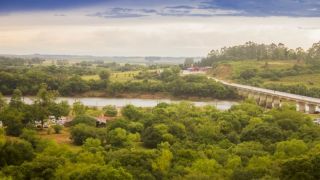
{"type": "Point", "coordinates": [290, 76]}
{"type": "Point", "coordinates": [272, 66]}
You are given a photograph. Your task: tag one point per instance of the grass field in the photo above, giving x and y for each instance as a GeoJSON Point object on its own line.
{"type": "Point", "coordinates": [63, 138]}
{"type": "Point", "coordinates": [310, 80]}
{"type": "Point", "coordinates": [115, 76]}
{"type": "Point", "coordinates": [239, 66]}
{"type": "Point", "coordinates": [123, 76]}
{"type": "Point", "coordinates": [230, 69]}
{"type": "Point", "coordinates": [90, 77]}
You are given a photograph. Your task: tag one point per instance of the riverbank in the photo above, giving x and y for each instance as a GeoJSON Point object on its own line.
{"type": "Point", "coordinates": [130, 95]}
{"type": "Point", "coordinates": [139, 102]}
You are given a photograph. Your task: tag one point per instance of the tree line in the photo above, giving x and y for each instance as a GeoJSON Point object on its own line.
{"type": "Point", "coordinates": [254, 51]}
{"type": "Point", "coordinates": [170, 81]}
{"type": "Point", "coordinates": [68, 81]}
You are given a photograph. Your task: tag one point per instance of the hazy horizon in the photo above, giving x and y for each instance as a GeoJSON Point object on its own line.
{"type": "Point", "coordinates": [182, 28]}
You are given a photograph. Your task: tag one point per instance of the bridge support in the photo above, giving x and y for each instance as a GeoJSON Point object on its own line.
{"type": "Point", "coordinates": [269, 102]}
{"type": "Point", "coordinates": [245, 93]}
{"type": "Point", "coordinates": [250, 95]}
{"type": "Point", "coordinates": [301, 106]}
{"type": "Point", "coordinates": [272, 99]}
{"type": "Point", "coordinates": [276, 102]}
{"type": "Point", "coordinates": [257, 98]}
{"type": "Point", "coordinates": [263, 100]}
{"type": "Point", "coordinates": [240, 92]}
{"type": "Point", "coordinates": [312, 108]}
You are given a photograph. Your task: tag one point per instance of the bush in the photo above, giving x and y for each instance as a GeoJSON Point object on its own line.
{"type": "Point", "coordinates": [12, 120]}
{"type": "Point", "coordinates": [110, 111]}
{"type": "Point", "coordinates": [83, 119]}
{"type": "Point", "coordinates": [49, 131]}
{"type": "Point", "coordinates": [131, 112]}
{"type": "Point", "coordinates": [248, 74]}
{"type": "Point", "coordinates": [30, 136]}
{"type": "Point", "coordinates": [81, 132]}
{"type": "Point", "coordinates": [57, 128]}
{"type": "Point", "coordinates": [15, 152]}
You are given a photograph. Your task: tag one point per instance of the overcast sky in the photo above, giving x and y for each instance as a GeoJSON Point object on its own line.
{"type": "Point", "coordinates": [153, 27]}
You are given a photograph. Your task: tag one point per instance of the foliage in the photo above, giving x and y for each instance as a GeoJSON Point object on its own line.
{"type": "Point", "coordinates": [12, 120]}
{"type": "Point", "coordinates": [254, 51]}
{"type": "Point", "coordinates": [83, 119]}
{"type": "Point", "coordinates": [69, 81]}
{"type": "Point", "coordinates": [110, 111]}
{"type": "Point", "coordinates": [174, 141]}
{"type": "Point", "coordinates": [57, 128]}
{"type": "Point", "coordinates": [80, 132]}
{"type": "Point", "coordinates": [78, 108]}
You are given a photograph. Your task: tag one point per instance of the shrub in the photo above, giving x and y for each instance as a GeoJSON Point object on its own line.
{"type": "Point", "coordinates": [30, 136]}
{"type": "Point", "coordinates": [49, 131]}
{"type": "Point", "coordinates": [57, 128]}
{"type": "Point", "coordinates": [110, 111]}
{"type": "Point", "coordinates": [81, 132]}
{"type": "Point", "coordinates": [83, 119]}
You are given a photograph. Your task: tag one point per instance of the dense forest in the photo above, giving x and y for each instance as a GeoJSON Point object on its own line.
{"type": "Point", "coordinates": [254, 51]}
{"type": "Point", "coordinates": [169, 141]}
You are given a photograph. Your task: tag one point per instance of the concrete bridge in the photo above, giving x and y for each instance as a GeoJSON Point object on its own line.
{"type": "Point", "coordinates": [273, 99]}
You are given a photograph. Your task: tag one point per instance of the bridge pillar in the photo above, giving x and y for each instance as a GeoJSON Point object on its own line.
{"type": "Point", "coordinates": [257, 98]}
{"type": "Point", "coordinates": [242, 92]}
{"type": "Point", "coordinates": [263, 100]}
{"type": "Point", "coordinates": [245, 93]}
{"type": "Point", "coordinates": [312, 108]}
{"type": "Point", "coordinates": [250, 95]}
{"type": "Point", "coordinates": [301, 106]}
{"type": "Point", "coordinates": [269, 102]}
{"type": "Point", "coordinates": [239, 92]}
{"type": "Point", "coordinates": [276, 102]}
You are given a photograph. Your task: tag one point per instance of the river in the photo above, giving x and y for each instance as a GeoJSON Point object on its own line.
{"type": "Point", "coordinates": [120, 102]}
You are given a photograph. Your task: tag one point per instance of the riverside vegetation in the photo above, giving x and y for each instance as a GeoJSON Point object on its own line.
{"type": "Point", "coordinates": [106, 79]}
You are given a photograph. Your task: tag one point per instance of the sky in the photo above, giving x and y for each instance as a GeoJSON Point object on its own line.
{"type": "Point", "coordinates": [153, 27]}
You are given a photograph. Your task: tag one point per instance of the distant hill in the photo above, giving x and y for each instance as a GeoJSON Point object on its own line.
{"type": "Point", "coordinates": [118, 59]}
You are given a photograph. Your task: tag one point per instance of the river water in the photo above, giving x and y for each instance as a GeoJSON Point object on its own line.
{"type": "Point", "coordinates": [121, 102]}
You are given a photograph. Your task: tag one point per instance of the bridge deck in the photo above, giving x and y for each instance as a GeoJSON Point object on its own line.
{"type": "Point", "coordinates": [284, 95]}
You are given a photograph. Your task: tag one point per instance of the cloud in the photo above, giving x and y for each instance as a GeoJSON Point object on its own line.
{"type": "Point", "coordinates": [205, 8]}
{"type": "Point", "coordinates": [61, 15]}
{"type": "Point", "coordinates": [180, 11]}
{"type": "Point", "coordinates": [31, 5]}
{"type": "Point", "coordinates": [123, 13]}
{"type": "Point", "coordinates": [181, 7]}
{"type": "Point", "coordinates": [291, 8]}
{"type": "Point", "coordinates": [173, 36]}
{"type": "Point", "coordinates": [309, 28]}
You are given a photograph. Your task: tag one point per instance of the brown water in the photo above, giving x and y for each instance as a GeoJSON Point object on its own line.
{"type": "Point", "coordinates": [120, 102]}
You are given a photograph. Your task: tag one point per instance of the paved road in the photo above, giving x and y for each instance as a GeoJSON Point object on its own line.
{"type": "Point", "coordinates": [284, 95]}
